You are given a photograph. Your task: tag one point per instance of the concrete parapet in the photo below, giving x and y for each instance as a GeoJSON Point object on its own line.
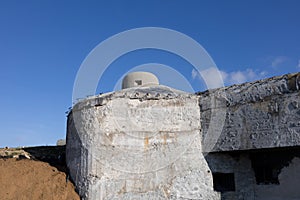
{"type": "Point", "coordinates": [261, 114]}
{"type": "Point", "coordinates": [138, 143]}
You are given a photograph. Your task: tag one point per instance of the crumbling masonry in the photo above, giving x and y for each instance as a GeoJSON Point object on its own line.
{"type": "Point", "coordinates": [148, 143]}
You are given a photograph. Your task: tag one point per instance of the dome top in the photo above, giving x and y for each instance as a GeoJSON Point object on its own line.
{"type": "Point", "coordinates": [139, 79]}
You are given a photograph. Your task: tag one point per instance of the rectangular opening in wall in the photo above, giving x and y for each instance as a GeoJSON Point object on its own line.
{"type": "Point", "coordinates": [223, 182]}
{"type": "Point", "coordinates": [138, 82]}
{"type": "Point", "coordinates": [267, 164]}
{"type": "Point", "coordinates": [266, 175]}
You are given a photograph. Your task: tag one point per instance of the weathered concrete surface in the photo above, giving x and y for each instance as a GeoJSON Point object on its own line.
{"type": "Point", "coordinates": [246, 185]}
{"type": "Point", "coordinates": [135, 79]}
{"type": "Point", "coordinates": [288, 188]}
{"type": "Point", "coordinates": [261, 114]}
{"type": "Point", "coordinates": [240, 165]}
{"type": "Point", "coordinates": [138, 143]}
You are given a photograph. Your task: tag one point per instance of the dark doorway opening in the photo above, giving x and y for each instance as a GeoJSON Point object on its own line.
{"type": "Point", "coordinates": [223, 182]}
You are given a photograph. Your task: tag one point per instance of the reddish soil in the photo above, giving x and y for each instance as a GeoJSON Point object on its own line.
{"type": "Point", "coordinates": [31, 179]}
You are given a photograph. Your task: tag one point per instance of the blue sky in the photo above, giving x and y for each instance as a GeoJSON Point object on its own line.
{"type": "Point", "coordinates": [42, 45]}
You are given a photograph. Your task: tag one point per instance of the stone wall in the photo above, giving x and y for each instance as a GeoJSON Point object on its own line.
{"type": "Point", "coordinates": [288, 189]}
{"type": "Point", "coordinates": [147, 143]}
{"type": "Point", "coordinates": [240, 166]}
{"type": "Point", "coordinates": [261, 114]}
{"type": "Point", "coordinates": [266, 174]}
{"type": "Point", "coordinates": [138, 143]}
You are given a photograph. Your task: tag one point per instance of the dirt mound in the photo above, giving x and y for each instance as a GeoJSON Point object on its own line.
{"type": "Point", "coordinates": [31, 179]}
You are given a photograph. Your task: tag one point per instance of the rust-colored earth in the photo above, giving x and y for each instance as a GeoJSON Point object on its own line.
{"type": "Point", "coordinates": [33, 180]}
{"type": "Point", "coordinates": [29, 179]}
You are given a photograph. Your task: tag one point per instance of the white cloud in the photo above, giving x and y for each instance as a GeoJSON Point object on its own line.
{"type": "Point", "coordinates": [215, 78]}
{"type": "Point", "coordinates": [195, 74]}
{"type": "Point", "coordinates": [263, 74]}
{"type": "Point", "coordinates": [237, 77]}
{"type": "Point", "coordinates": [278, 60]}
{"type": "Point", "coordinates": [298, 64]}
{"type": "Point", "coordinates": [247, 75]}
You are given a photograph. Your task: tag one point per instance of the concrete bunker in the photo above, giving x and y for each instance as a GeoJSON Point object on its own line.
{"type": "Point", "coordinates": [256, 156]}
{"type": "Point", "coordinates": [138, 143]}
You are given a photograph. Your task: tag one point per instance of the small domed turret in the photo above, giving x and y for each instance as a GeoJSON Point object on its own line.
{"type": "Point", "coordinates": [138, 79]}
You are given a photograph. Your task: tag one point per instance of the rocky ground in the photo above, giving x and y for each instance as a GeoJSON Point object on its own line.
{"type": "Point", "coordinates": [35, 173]}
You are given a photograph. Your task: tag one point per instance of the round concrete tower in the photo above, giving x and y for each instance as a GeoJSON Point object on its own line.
{"type": "Point", "coordinates": [136, 79]}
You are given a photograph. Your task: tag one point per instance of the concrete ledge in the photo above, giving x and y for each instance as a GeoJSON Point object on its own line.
{"type": "Point", "coordinates": [261, 114]}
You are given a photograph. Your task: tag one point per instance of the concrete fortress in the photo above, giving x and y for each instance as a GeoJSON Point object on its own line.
{"type": "Point", "coordinates": [146, 142]}
{"type": "Point", "coordinates": [142, 142]}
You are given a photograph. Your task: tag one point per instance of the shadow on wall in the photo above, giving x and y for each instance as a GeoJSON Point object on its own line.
{"type": "Point", "coordinates": [288, 187]}
{"type": "Point", "coordinates": [54, 155]}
